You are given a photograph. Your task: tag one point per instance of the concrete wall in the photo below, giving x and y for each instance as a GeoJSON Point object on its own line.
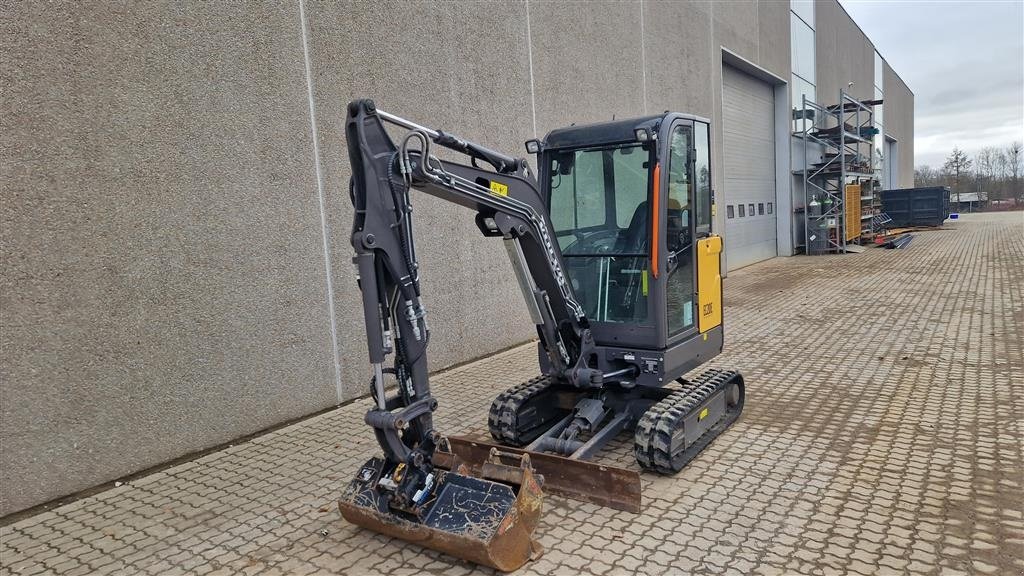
{"type": "Point", "coordinates": [844, 55]}
{"type": "Point", "coordinates": [747, 30]}
{"type": "Point", "coordinates": [679, 57]}
{"type": "Point", "coordinates": [163, 285]}
{"type": "Point", "coordinates": [477, 89]}
{"type": "Point", "coordinates": [899, 124]}
{"type": "Point", "coordinates": [175, 265]}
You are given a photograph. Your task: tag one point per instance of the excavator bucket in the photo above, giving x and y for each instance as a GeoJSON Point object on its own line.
{"type": "Point", "coordinates": [486, 519]}
{"type": "Point", "coordinates": [610, 486]}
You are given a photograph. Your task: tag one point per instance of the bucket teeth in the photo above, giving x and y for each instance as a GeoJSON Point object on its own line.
{"type": "Point", "coordinates": [486, 522]}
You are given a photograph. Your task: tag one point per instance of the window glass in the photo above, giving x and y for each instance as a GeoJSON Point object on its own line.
{"type": "Point", "coordinates": [769, 207]}
{"type": "Point", "coordinates": [742, 210]}
{"type": "Point", "coordinates": [798, 90]}
{"type": "Point", "coordinates": [879, 71]}
{"type": "Point", "coordinates": [601, 216]}
{"type": "Point", "coordinates": [802, 45]}
{"type": "Point", "coordinates": [729, 213]}
{"type": "Point", "coordinates": [750, 209]}
{"type": "Point", "coordinates": [879, 117]}
{"type": "Point", "coordinates": [878, 141]}
{"type": "Point", "coordinates": [891, 166]}
{"type": "Point", "coordinates": [804, 9]}
{"type": "Point", "coordinates": [801, 87]}
{"type": "Point", "coordinates": [630, 177]}
{"type": "Point", "coordinates": [679, 240]}
{"type": "Point", "coordinates": [760, 208]}
{"type": "Point", "coordinates": [879, 120]}
{"type": "Point", "coordinates": [577, 192]}
{"type": "Point", "coordinates": [679, 183]}
{"type": "Point", "coordinates": [702, 173]}
{"type": "Point", "coordinates": [680, 190]}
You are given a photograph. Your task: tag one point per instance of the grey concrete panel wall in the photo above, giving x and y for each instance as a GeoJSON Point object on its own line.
{"type": "Point", "coordinates": [736, 28]}
{"type": "Point", "coordinates": [773, 45]}
{"type": "Point", "coordinates": [899, 123]}
{"type": "Point", "coordinates": [717, 138]}
{"type": "Point", "coordinates": [162, 285]}
{"type": "Point", "coordinates": [587, 62]}
{"type": "Point", "coordinates": [679, 55]}
{"type": "Point", "coordinates": [460, 68]}
{"type": "Point", "coordinates": [844, 54]}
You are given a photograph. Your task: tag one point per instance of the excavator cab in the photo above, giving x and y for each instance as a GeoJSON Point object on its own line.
{"type": "Point", "coordinates": [630, 203]}
{"type": "Point", "coordinates": [612, 246]}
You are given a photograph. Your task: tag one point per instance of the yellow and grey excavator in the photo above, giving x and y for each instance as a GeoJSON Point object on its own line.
{"type": "Point", "coordinates": [620, 271]}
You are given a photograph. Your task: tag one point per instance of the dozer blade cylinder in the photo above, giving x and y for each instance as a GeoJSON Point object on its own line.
{"type": "Point", "coordinates": [609, 486]}
{"type": "Point", "coordinates": [485, 522]}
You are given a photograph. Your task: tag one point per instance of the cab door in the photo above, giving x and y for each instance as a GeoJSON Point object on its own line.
{"type": "Point", "coordinates": [707, 245]}
{"type": "Point", "coordinates": [680, 207]}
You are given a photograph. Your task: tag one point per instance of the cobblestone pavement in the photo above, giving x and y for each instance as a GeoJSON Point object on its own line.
{"type": "Point", "coordinates": [882, 435]}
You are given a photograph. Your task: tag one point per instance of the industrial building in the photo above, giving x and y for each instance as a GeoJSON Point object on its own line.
{"type": "Point", "coordinates": [176, 268]}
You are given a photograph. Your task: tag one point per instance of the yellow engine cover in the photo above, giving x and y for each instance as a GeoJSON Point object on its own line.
{"type": "Point", "coordinates": [709, 282]}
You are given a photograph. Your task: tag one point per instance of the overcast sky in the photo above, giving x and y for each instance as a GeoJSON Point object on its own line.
{"type": "Point", "coordinates": [964, 61]}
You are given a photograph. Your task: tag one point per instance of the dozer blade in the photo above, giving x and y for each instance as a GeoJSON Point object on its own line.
{"type": "Point", "coordinates": [609, 486]}
{"type": "Point", "coordinates": [479, 520]}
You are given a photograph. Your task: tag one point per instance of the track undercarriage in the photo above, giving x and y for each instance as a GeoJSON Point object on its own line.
{"type": "Point", "coordinates": [561, 428]}
{"type": "Point", "coordinates": [670, 426]}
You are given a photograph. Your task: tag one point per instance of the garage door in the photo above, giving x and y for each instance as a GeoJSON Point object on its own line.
{"type": "Point", "coordinates": [748, 125]}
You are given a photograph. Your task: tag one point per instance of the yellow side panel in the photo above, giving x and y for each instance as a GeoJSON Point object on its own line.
{"type": "Point", "coordinates": [852, 211]}
{"type": "Point", "coordinates": [709, 282]}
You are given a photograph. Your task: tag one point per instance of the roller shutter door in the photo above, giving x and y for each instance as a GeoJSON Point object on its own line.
{"type": "Point", "coordinates": [748, 126]}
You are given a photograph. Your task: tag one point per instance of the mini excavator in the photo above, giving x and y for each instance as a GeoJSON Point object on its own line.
{"type": "Point", "coordinates": [612, 246]}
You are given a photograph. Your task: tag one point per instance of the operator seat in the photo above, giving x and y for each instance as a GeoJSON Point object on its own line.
{"type": "Point", "coordinates": [633, 238]}
{"type": "Point", "coordinates": [626, 301]}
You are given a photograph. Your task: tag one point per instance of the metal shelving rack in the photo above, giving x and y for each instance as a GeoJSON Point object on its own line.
{"type": "Point", "coordinates": [842, 133]}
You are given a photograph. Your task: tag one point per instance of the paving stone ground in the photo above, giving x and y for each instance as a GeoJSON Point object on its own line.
{"type": "Point", "coordinates": [882, 435]}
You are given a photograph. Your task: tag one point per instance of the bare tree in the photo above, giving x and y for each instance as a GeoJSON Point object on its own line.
{"type": "Point", "coordinates": [958, 166]}
{"type": "Point", "coordinates": [925, 175]}
{"type": "Point", "coordinates": [1014, 156]}
{"type": "Point", "coordinates": [1001, 171]}
{"type": "Point", "coordinates": [985, 160]}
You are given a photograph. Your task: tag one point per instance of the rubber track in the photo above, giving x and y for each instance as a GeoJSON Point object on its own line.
{"type": "Point", "coordinates": [653, 436]}
{"type": "Point", "coordinates": [502, 417]}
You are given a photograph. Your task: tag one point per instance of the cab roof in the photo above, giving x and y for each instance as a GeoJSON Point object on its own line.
{"type": "Point", "coordinates": [609, 132]}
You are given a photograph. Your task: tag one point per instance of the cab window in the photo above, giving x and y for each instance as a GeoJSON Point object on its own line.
{"type": "Point", "coordinates": [680, 208]}
{"type": "Point", "coordinates": [600, 212]}
{"type": "Point", "coordinates": [702, 177]}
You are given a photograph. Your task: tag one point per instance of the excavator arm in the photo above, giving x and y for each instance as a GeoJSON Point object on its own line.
{"type": "Point", "coordinates": [488, 517]}
{"type": "Point", "coordinates": [504, 196]}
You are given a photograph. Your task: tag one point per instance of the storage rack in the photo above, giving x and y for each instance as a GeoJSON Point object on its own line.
{"type": "Point", "coordinates": [840, 135]}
